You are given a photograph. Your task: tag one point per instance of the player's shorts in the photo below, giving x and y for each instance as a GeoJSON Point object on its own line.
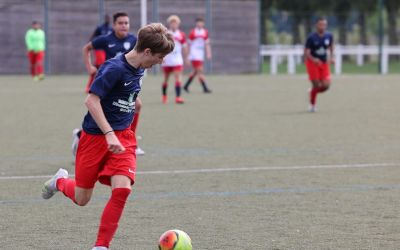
{"type": "Point", "coordinates": [100, 57]}
{"type": "Point", "coordinates": [197, 63]}
{"type": "Point", "coordinates": [318, 72]}
{"type": "Point", "coordinates": [94, 162]}
{"type": "Point", "coordinates": [169, 69]}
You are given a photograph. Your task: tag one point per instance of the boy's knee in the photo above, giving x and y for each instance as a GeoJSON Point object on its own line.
{"type": "Point", "coordinates": [82, 201]}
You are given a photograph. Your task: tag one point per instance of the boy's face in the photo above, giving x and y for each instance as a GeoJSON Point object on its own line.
{"type": "Point", "coordinates": [200, 24]}
{"type": "Point", "coordinates": [173, 25]}
{"type": "Point", "coordinates": [121, 26]}
{"type": "Point", "coordinates": [151, 59]}
{"type": "Point", "coordinates": [321, 25]}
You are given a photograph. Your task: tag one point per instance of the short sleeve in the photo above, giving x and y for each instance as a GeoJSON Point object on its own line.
{"type": "Point", "coordinates": [183, 40]}
{"type": "Point", "coordinates": [97, 31]}
{"type": "Point", "coordinates": [105, 80]}
{"type": "Point", "coordinates": [192, 35]}
{"type": "Point", "coordinates": [309, 43]}
{"type": "Point", "coordinates": [99, 43]}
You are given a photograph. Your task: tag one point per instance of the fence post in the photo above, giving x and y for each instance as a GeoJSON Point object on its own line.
{"type": "Point", "coordinates": [209, 26]}
{"type": "Point", "coordinates": [273, 65]}
{"type": "Point", "coordinates": [46, 34]}
{"type": "Point", "coordinates": [360, 55]}
{"type": "Point", "coordinates": [291, 65]}
{"type": "Point", "coordinates": [338, 61]}
{"type": "Point", "coordinates": [384, 61]}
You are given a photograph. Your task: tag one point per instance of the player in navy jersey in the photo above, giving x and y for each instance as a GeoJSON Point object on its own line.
{"type": "Point", "coordinates": [317, 60]}
{"type": "Point", "coordinates": [113, 44]}
{"type": "Point", "coordinates": [101, 30]}
{"type": "Point", "coordinates": [106, 150]}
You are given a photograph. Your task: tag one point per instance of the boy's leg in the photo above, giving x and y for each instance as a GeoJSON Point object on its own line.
{"type": "Point", "coordinates": [190, 79]}
{"type": "Point", "coordinates": [178, 86]}
{"type": "Point", "coordinates": [31, 57]}
{"type": "Point", "coordinates": [39, 64]}
{"type": "Point", "coordinates": [121, 188]}
{"type": "Point", "coordinates": [164, 87]}
{"type": "Point", "coordinates": [203, 80]}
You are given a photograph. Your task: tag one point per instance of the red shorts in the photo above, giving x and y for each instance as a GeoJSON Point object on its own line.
{"type": "Point", "coordinates": [197, 63]}
{"type": "Point", "coordinates": [100, 56]}
{"type": "Point", "coordinates": [95, 163]}
{"type": "Point", "coordinates": [169, 69]}
{"type": "Point", "coordinates": [318, 72]}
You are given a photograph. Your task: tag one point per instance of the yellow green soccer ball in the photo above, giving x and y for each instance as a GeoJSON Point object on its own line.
{"type": "Point", "coordinates": [175, 240]}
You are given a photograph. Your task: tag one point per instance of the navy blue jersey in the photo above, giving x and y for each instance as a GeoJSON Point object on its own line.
{"type": "Point", "coordinates": [117, 84]}
{"type": "Point", "coordinates": [319, 45]}
{"type": "Point", "coordinates": [101, 30]}
{"type": "Point", "coordinates": [113, 46]}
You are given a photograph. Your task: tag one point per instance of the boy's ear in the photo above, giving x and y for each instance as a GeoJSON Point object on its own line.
{"type": "Point", "coordinates": [147, 51]}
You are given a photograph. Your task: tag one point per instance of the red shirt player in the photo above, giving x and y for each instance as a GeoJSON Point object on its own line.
{"type": "Point", "coordinates": [199, 45]}
{"type": "Point", "coordinates": [317, 61]}
{"type": "Point", "coordinates": [173, 63]}
{"type": "Point", "coordinates": [106, 151]}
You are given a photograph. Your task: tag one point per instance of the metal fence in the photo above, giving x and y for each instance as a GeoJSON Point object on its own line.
{"type": "Point", "coordinates": [69, 24]}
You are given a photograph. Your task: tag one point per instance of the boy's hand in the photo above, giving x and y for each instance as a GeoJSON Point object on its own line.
{"type": "Point", "coordinates": [114, 145]}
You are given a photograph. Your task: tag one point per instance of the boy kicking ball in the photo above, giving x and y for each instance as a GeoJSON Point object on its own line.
{"type": "Point", "coordinates": [106, 151]}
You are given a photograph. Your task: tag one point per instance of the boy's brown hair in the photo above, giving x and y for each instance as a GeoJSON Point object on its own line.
{"type": "Point", "coordinates": [156, 37]}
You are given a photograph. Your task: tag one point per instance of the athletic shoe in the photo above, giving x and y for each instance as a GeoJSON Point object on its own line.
{"type": "Point", "coordinates": [312, 109]}
{"type": "Point", "coordinates": [139, 151]}
{"type": "Point", "coordinates": [50, 186]}
{"type": "Point", "coordinates": [36, 78]}
{"type": "Point", "coordinates": [164, 99]}
{"type": "Point", "coordinates": [179, 100]}
{"type": "Point", "coordinates": [207, 91]}
{"type": "Point", "coordinates": [186, 89]}
{"type": "Point", "coordinates": [75, 140]}
{"type": "Point", "coordinates": [99, 248]}
{"type": "Point", "coordinates": [41, 77]}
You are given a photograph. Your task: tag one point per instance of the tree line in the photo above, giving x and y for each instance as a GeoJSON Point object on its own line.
{"type": "Point", "coordinates": [302, 11]}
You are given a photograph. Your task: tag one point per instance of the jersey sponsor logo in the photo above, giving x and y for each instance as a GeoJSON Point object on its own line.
{"type": "Point", "coordinates": [127, 106]}
{"type": "Point", "coordinates": [127, 83]}
{"type": "Point", "coordinates": [127, 45]}
{"type": "Point", "coordinates": [111, 45]}
{"type": "Point", "coordinates": [327, 42]}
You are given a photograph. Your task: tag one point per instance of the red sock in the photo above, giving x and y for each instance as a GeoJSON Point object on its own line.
{"type": "Point", "coordinates": [135, 122]}
{"type": "Point", "coordinates": [67, 187]}
{"type": "Point", "coordinates": [111, 215]}
{"type": "Point", "coordinates": [313, 95]}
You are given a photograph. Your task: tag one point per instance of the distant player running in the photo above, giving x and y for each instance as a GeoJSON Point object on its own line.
{"type": "Point", "coordinates": [35, 45]}
{"type": "Point", "coordinates": [106, 150]}
{"type": "Point", "coordinates": [113, 44]}
{"type": "Point", "coordinates": [173, 63]}
{"type": "Point", "coordinates": [317, 62]}
{"type": "Point", "coordinates": [199, 45]}
{"type": "Point", "coordinates": [99, 54]}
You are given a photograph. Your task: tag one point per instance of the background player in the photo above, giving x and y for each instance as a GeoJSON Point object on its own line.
{"type": "Point", "coordinates": [106, 151]}
{"type": "Point", "coordinates": [113, 44]}
{"type": "Point", "coordinates": [199, 43]}
{"type": "Point", "coordinates": [35, 45]}
{"type": "Point", "coordinates": [316, 48]}
{"type": "Point", "coordinates": [173, 63]}
{"type": "Point", "coordinates": [99, 54]}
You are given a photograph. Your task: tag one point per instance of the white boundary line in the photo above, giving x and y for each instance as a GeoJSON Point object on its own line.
{"type": "Point", "coordinates": [216, 170]}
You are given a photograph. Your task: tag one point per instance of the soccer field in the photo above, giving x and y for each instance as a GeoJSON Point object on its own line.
{"type": "Point", "coordinates": [243, 168]}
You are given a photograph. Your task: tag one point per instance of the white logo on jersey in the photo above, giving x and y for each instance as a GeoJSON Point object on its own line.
{"type": "Point", "coordinates": [127, 83]}
{"type": "Point", "coordinates": [111, 45]}
{"type": "Point", "coordinates": [326, 42]}
{"type": "Point", "coordinates": [127, 45]}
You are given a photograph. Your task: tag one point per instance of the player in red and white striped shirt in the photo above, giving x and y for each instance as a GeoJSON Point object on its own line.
{"type": "Point", "coordinates": [199, 45]}
{"type": "Point", "coordinates": [173, 62]}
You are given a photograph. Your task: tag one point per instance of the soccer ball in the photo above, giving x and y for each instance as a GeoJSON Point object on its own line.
{"type": "Point", "coordinates": [175, 240]}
